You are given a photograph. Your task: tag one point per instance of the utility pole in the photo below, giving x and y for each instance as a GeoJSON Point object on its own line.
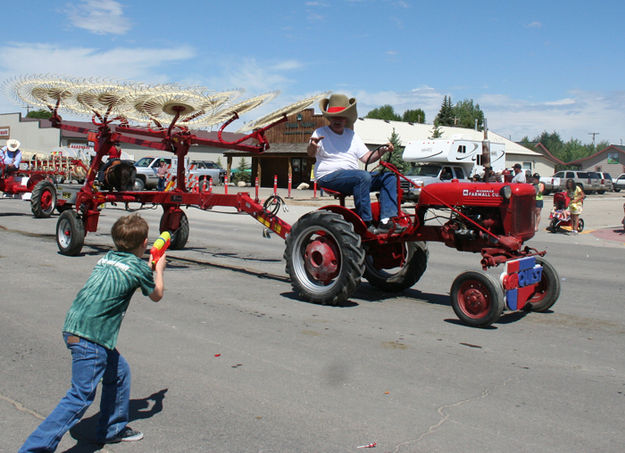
{"type": "Point", "coordinates": [593, 137]}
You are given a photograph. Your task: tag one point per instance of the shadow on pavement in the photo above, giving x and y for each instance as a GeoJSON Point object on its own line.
{"type": "Point", "coordinates": [84, 432]}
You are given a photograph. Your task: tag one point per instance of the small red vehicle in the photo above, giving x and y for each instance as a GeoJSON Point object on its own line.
{"type": "Point", "coordinates": [560, 216]}
{"type": "Point", "coordinates": [39, 184]}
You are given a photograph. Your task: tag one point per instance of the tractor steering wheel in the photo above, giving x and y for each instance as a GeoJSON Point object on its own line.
{"type": "Point", "coordinates": [370, 156]}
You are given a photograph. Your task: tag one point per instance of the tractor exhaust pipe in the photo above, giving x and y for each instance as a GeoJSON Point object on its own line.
{"type": "Point", "coordinates": [485, 147]}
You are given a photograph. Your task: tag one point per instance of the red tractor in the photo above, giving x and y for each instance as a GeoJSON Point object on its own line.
{"type": "Point", "coordinates": [329, 250]}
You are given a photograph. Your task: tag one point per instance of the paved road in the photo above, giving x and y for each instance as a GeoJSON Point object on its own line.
{"type": "Point", "coordinates": [232, 361]}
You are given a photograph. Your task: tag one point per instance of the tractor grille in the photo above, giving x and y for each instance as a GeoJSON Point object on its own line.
{"type": "Point", "coordinates": [523, 219]}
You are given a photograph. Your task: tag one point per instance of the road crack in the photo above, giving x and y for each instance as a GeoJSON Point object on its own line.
{"type": "Point", "coordinates": [20, 407]}
{"type": "Point", "coordinates": [445, 416]}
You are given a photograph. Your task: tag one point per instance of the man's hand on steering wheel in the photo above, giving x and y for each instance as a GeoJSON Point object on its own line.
{"type": "Point", "coordinates": [379, 152]}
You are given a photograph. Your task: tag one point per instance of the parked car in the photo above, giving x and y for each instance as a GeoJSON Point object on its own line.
{"type": "Point", "coordinates": [147, 167]}
{"type": "Point", "coordinates": [588, 181]}
{"type": "Point", "coordinates": [607, 185]}
{"type": "Point", "coordinates": [619, 182]}
{"type": "Point", "coordinates": [209, 164]}
{"type": "Point", "coordinates": [422, 175]}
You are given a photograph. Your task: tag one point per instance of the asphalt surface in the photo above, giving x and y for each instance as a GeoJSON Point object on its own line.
{"type": "Point", "coordinates": [232, 361]}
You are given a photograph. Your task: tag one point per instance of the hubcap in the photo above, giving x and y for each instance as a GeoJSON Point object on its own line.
{"type": "Point", "coordinates": [474, 299]}
{"type": "Point", "coordinates": [321, 259]}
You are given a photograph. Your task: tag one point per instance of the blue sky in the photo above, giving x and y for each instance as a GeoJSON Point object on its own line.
{"type": "Point", "coordinates": [530, 65]}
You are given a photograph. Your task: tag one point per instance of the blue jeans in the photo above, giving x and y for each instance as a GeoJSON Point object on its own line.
{"type": "Point", "coordinates": [90, 364]}
{"type": "Point", "coordinates": [360, 183]}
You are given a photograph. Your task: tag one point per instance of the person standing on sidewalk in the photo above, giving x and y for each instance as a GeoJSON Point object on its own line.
{"type": "Point", "coordinates": [90, 332]}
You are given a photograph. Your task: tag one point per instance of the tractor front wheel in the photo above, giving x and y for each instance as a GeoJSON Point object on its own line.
{"type": "Point", "coordinates": [70, 233]}
{"type": "Point", "coordinates": [548, 289]}
{"type": "Point", "coordinates": [43, 199]}
{"type": "Point", "coordinates": [477, 298]}
{"type": "Point", "coordinates": [324, 258]}
{"type": "Point", "coordinates": [395, 267]}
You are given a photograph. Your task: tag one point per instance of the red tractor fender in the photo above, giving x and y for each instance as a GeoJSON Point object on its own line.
{"type": "Point", "coordinates": [350, 216]}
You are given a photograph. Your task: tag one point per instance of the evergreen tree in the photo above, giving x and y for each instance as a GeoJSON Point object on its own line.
{"type": "Point", "coordinates": [436, 131]}
{"type": "Point", "coordinates": [446, 114]}
{"type": "Point", "coordinates": [395, 157]}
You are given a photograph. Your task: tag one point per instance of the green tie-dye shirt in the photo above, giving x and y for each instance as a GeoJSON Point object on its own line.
{"type": "Point", "coordinates": [99, 307]}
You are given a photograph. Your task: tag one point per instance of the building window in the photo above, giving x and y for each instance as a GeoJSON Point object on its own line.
{"type": "Point", "coordinates": [613, 158]}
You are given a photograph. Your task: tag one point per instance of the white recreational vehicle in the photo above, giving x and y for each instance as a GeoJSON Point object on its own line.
{"type": "Point", "coordinates": [442, 160]}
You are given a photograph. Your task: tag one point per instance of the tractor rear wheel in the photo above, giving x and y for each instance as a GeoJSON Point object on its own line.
{"type": "Point", "coordinates": [70, 233]}
{"type": "Point", "coordinates": [477, 298]}
{"type": "Point", "coordinates": [43, 199]}
{"type": "Point", "coordinates": [324, 258]}
{"type": "Point", "coordinates": [548, 289]}
{"type": "Point", "coordinates": [408, 261]}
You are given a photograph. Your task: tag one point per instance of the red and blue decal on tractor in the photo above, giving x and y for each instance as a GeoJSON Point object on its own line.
{"type": "Point", "coordinates": [520, 279]}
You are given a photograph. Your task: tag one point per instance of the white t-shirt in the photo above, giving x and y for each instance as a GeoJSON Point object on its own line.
{"type": "Point", "coordinates": [337, 152]}
{"type": "Point", "coordinates": [519, 177]}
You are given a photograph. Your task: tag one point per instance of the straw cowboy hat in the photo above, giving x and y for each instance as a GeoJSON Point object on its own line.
{"type": "Point", "coordinates": [340, 105]}
{"type": "Point", "coordinates": [13, 144]}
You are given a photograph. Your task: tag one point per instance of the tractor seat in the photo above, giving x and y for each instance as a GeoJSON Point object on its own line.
{"type": "Point", "coordinates": [340, 195]}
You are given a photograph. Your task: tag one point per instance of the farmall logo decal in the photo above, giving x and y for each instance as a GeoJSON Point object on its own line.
{"type": "Point", "coordinates": [480, 193]}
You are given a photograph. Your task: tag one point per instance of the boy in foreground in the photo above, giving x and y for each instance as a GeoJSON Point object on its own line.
{"type": "Point", "coordinates": [90, 333]}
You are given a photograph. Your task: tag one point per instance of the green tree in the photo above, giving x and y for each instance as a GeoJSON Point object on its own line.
{"type": "Point", "coordinates": [445, 115]}
{"type": "Point", "coordinates": [385, 112]}
{"type": "Point", "coordinates": [40, 114]}
{"type": "Point", "coordinates": [466, 113]}
{"type": "Point", "coordinates": [436, 131]}
{"type": "Point", "coordinates": [242, 172]}
{"type": "Point", "coordinates": [414, 116]}
{"type": "Point", "coordinates": [395, 157]}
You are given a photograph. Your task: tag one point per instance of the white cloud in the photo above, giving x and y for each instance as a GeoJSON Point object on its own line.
{"type": "Point", "coordinates": [534, 24]}
{"type": "Point", "coordinates": [573, 116]}
{"type": "Point", "coordinates": [99, 16]}
{"type": "Point", "coordinates": [140, 64]}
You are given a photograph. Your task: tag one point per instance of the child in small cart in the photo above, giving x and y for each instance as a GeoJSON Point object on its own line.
{"type": "Point", "coordinates": [560, 216]}
{"type": "Point", "coordinates": [90, 333]}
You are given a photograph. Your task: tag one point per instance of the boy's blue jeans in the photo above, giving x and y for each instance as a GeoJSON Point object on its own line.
{"type": "Point", "coordinates": [360, 183]}
{"type": "Point", "coordinates": [90, 363]}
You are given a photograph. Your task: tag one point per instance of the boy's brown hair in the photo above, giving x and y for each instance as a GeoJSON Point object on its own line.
{"type": "Point", "coordinates": [129, 232]}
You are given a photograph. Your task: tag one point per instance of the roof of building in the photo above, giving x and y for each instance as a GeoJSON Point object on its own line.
{"type": "Point", "coordinates": [374, 131]}
{"type": "Point", "coordinates": [543, 150]}
{"type": "Point", "coordinates": [592, 156]}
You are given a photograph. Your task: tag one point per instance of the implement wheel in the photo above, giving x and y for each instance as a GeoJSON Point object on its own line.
{"type": "Point", "coordinates": [395, 267]}
{"type": "Point", "coordinates": [324, 258]}
{"type": "Point", "coordinates": [179, 230]}
{"type": "Point", "coordinates": [70, 233]}
{"type": "Point", "coordinates": [43, 199]}
{"type": "Point", "coordinates": [477, 298]}
{"type": "Point", "coordinates": [548, 289]}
